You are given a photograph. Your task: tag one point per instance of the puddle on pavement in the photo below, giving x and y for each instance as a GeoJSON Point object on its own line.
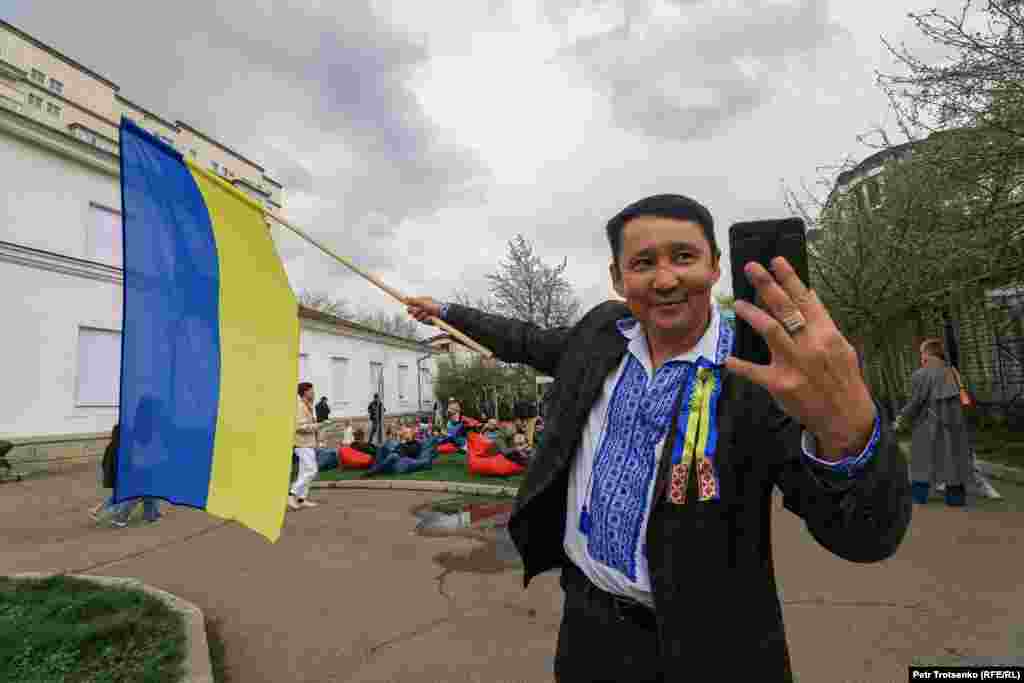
{"type": "Point", "coordinates": [484, 522]}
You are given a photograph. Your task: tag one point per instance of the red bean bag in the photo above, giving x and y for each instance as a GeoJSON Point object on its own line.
{"type": "Point", "coordinates": [447, 449]}
{"type": "Point", "coordinates": [354, 460]}
{"type": "Point", "coordinates": [480, 460]}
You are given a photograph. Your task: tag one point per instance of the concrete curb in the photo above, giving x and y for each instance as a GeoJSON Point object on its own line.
{"type": "Point", "coordinates": [198, 668]}
{"type": "Point", "coordinates": [407, 485]}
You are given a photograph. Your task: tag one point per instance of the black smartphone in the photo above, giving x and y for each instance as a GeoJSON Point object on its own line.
{"type": "Point", "coordinates": [762, 241]}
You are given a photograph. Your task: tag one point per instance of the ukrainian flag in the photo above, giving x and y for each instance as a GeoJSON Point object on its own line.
{"type": "Point", "coordinates": [209, 357]}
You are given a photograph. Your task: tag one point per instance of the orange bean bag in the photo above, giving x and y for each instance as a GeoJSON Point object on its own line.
{"type": "Point", "coordinates": [352, 459]}
{"type": "Point", "coordinates": [447, 449]}
{"type": "Point", "coordinates": [479, 462]}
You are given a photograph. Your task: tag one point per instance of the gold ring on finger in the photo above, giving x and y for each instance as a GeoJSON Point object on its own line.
{"type": "Point", "coordinates": [794, 322]}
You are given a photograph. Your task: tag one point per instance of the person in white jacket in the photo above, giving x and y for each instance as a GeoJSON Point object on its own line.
{"type": "Point", "coordinates": [306, 440]}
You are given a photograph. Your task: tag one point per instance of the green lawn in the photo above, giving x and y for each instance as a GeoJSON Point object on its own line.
{"type": "Point", "coordinates": [446, 468]}
{"type": "Point", "coordinates": [75, 631]}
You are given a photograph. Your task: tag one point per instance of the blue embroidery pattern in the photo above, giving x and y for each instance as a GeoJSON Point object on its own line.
{"type": "Point", "coordinates": [624, 465]}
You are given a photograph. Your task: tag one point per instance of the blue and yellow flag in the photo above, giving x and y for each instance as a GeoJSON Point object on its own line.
{"type": "Point", "coordinates": [209, 358]}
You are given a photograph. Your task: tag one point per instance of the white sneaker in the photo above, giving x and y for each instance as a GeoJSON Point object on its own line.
{"type": "Point", "coordinates": [308, 504]}
{"type": "Point", "coordinates": [293, 504]}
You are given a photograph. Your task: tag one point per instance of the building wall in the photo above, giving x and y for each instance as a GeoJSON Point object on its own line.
{"type": "Point", "coordinates": [47, 198]}
{"type": "Point", "coordinates": [43, 313]}
{"type": "Point", "coordinates": [85, 101]}
{"type": "Point", "coordinates": [351, 392]}
{"type": "Point", "coordinates": [78, 85]}
{"type": "Point", "coordinates": [51, 295]}
{"type": "Point", "coordinates": [162, 129]}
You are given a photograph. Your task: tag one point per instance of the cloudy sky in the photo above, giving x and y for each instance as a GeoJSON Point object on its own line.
{"type": "Point", "coordinates": [418, 137]}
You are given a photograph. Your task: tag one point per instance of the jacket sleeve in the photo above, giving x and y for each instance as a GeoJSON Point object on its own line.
{"type": "Point", "coordinates": [919, 385]}
{"type": "Point", "coordinates": [512, 341]}
{"type": "Point", "coordinates": [861, 516]}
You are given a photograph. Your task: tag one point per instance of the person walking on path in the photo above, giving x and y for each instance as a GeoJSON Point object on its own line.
{"type": "Point", "coordinates": [376, 411]}
{"type": "Point", "coordinates": [108, 472]}
{"type": "Point", "coordinates": [652, 489]}
{"type": "Point", "coordinates": [306, 440]}
{"type": "Point", "coordinates": [5, 448]}
{"type": "Point", "coordinates": [323, 410]}
{"type": "Point", "coordinates": [940, 447]}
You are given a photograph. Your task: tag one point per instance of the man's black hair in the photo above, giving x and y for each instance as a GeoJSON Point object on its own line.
{"type": "Point", "coordinates": [665, 206]}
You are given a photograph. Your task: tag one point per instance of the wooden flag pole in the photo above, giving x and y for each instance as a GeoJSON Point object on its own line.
{"type": "Point", "coordinates": [376, 281]}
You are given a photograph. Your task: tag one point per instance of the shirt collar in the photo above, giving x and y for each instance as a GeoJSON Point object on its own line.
{"type": "Point", "coordinates": [712, 349]}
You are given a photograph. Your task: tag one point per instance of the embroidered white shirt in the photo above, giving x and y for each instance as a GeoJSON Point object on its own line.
{"type": "Point", "coordinates": [610, 578]}
{"type": "Point", "coordinates": [622, 443]}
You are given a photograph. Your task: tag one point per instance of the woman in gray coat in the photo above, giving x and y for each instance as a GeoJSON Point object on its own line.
{"type": "Point", "coordinates": [940, 449]}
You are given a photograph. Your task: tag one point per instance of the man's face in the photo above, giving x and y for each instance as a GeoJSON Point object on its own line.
{"type": "Point", "coordinates": [491, 426]}
{"type": "Point", "coordinates": [665, 274]}
{"type": "Point", "coordinates": [405, 434]}
{"type": "Point", "coordinates": [519, 442]}
{"type": "Point", "coordinates": [308, 395]}
{"type": "Point", "coordinates": [454, 409]}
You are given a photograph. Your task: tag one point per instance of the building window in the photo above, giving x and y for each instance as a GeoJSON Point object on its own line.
{"type": "Point", "coordinates": [99, 367]}
{"type": "Point", "coordinates": [339, 380]}
{"type": "Point", "coordinates": [103, 236]}
{"type": "Point", "coordinates": [53, 110]}
{"type": "Point", "coordinates": [38, 76]}
{"type": "Point", "coordinates": [403, 379]}
{"type": "Point", "coordinates": [56, 86]}
{"type": "Point", "coordinates": [35, 101]}
{"type": "Point", "coordinates": [376, 377]}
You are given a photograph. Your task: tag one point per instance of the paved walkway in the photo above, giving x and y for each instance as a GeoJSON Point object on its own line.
{"type": "Point", "coordinates": [350, 594]}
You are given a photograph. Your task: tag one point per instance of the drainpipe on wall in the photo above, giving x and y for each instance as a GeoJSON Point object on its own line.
{"type": "Point", "coordinates": [419, 385]}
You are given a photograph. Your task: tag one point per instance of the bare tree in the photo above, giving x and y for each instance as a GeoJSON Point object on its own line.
{"type": "Point", "coordinates": [325, 303]}
{"type": "Point", "coordinates": [397, 323]}
{"type": "Point", "coordinates": [974, 89]}
{"type": "Point", "coordinates": [526, 288]}
{"type": "Point", "coordinates": [480, 303]}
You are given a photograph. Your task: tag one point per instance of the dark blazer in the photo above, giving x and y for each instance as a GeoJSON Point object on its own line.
{"type": "Point", "coordinates": [712, 574]}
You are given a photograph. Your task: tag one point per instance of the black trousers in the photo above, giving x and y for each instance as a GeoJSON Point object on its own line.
{"type": "Point", "coordinates": [604, 638]}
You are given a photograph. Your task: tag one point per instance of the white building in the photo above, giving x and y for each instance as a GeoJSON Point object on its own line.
{"type": "Point", "coordinates": [349, 363]}
{"type": "Point", "coordinates": [60, 274]}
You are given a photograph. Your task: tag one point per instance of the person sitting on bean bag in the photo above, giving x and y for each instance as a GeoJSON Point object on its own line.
{"type": "Point", "coordinates": [520, 452]}
{"type": "Point", "coordinates": [496, 434]}
{"type": "Point", "coordinates": [484, 459]}
{"type": "Point", "coordinates": [360, 443]}
{"type": "Point", "coordinates": [538, 433]}
{"type": "Point", "coordinates": [405, 456]}
{"type": "Point", "coordinates": [458, 425]}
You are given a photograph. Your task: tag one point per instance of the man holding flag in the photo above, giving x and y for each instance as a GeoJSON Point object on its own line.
{"type": "Point", "coordinates": [652, 490]}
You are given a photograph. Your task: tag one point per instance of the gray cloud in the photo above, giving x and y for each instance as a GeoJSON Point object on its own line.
{"type": "Point", "coordinates": [281, 82]}
{"type": "Point", "coordinates": [683, 79]}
